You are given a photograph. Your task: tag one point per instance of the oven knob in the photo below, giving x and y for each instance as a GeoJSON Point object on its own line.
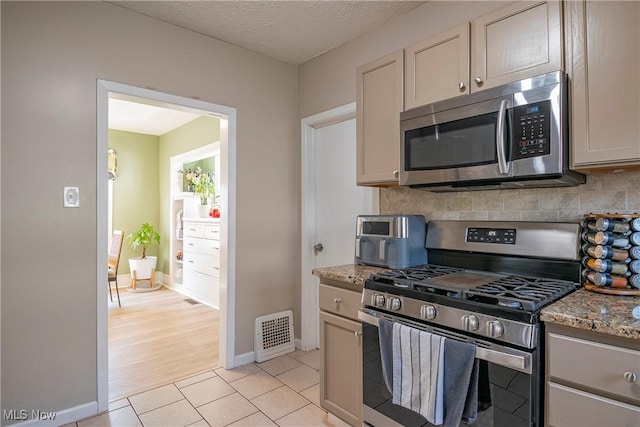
{"type": "Point", "coordinates": [378, 300]}
{"type": "Point", "coordinates": [393, 304]}
{"type": "Point", "coordinates": [427, 312]}
{"type": "Point", "coordinates": [469, 322]}
{"type": "Point", "coordinates": [495, 329]}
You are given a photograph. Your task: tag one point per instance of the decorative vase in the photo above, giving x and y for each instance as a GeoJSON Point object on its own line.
{"type": "Point", "coordinates": [203, 211]}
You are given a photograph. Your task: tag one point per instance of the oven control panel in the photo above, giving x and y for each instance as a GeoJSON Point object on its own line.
{"type": "Point", "coordinates": [505, 236]}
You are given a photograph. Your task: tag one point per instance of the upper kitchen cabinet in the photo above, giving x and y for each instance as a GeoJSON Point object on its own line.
{"type": "Point", "coordinates": [510, 44]}
{"type": "Point", "coordinates": [516, 42]}
{"type": "Point", "coordinates": [379, 102]}
{"type": "Point", "coordinates": [603, 63]}
{"type": "Point", "coordinates": [437, 68]}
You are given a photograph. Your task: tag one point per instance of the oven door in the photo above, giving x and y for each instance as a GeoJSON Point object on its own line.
{"type": "Point", "coordinates": [509, 393]}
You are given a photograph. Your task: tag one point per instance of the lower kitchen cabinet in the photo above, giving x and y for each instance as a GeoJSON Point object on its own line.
{"type": "Point", "coordinates": [591, 379]}
{"type": "Point", "coordinates": [340, 353]}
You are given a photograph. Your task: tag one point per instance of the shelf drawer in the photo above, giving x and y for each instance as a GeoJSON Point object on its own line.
{"type": "Point", "coordinates": [203, 286]}
{"type": "Point", "coordinates": [212, 232]}
{"type": "Point", "coordinates": [204, 246]}
{"type": "Point", "coordinates": [339, 301]}
{"type": "Point", "coordinates": [207, 231]}
{"type": "Point", "coordinates": [597, 366]}
{"type": "Point", "coordinates": [202, 263]}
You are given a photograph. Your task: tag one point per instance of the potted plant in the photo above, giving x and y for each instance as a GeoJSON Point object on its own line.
{"type": "Point", "coordinates": [205, 188]}
{"type": "Point", "coordinates": [144, 267]}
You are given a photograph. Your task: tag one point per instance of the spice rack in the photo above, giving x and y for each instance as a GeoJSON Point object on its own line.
{"type": "Point", "coordinates": [611, 253]}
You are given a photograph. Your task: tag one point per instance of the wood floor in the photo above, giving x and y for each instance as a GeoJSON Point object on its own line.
{"type": "Point", "coordinates": [157, 338]}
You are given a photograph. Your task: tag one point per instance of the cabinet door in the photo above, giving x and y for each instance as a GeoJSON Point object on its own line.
{"type": "Point", "coordinates": [437, 68]}
{"type": "Point", "coordinates": [514, 43]}
{"type": "Point", "coordinates": [341, 367]}
{"type": "Point", "coordinates": [571, 407]}
{"type": "Point", "coordinates": [379, 92]}
{"type": "Point", "coordinates": [603, 63]}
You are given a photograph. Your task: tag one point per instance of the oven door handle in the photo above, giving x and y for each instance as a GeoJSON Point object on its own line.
{"type": "Point", "coordinates": [514, 361]}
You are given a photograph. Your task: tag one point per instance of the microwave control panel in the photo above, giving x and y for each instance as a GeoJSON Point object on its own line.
{"type": "Point", "coordinates": [531, 124]}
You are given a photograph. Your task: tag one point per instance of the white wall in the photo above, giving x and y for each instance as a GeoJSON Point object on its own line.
{"type": "Point", "coordinates": [52, 54]}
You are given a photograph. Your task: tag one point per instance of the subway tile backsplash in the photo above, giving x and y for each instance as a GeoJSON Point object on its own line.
{"type": "Point", "coordinates": [612, 193]}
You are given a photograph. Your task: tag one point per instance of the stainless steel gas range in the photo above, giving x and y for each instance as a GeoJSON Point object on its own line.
{"type": "Point", "coordinates": [485, 284]}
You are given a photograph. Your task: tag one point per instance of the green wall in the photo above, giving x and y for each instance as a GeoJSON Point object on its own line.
{"type": "Point", "coordinates": [136, 190]}
{"type": "Point", "coordinates": [197, 133]}
{"type": "Point", "coordinates": [141, 192]}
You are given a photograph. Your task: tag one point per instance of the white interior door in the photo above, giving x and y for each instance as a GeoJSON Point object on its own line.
{"type": "Point", "coordinates": [331, 201]}
{"type": "Point", "coordinates": [338, 199]}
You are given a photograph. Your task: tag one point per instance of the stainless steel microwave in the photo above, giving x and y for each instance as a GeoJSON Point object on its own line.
{"type": "Point", "coordinates": [511, 136]}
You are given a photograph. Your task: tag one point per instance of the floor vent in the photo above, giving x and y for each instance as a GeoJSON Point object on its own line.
{"type": "Point", "coordinates": [191, 301]}
{"type": "Point", "coordinates": [273, 335]}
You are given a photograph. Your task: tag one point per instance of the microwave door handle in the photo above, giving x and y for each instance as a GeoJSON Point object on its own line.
{"type": "Point", "coordinates": [382, 251]}
{"type": "Point", "coordinates": [503, 166]}
{"type": "Point", "coordinates": [358, 247]}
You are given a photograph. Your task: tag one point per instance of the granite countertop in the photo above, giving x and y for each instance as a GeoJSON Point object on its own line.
{"type": "Point", "coordinates": [607, 314]}
{"type": "Point", "coordinates": [351, 273]}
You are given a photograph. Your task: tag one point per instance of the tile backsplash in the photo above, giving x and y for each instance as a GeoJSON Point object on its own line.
{"type": "Point", "coordinates": [611, 193]}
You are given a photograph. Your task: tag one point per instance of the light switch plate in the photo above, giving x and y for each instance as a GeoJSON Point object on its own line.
{"type": "Point", "coordinates": [71, 197]}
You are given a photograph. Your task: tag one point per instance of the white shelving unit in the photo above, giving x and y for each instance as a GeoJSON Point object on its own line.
{"type": "Point", "coordinates": [201, 283]}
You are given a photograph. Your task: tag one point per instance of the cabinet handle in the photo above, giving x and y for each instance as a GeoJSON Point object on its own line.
{"type": "Point", "coordinates": [461, 86]}
{"type": "Point", "coordinates": [630, 377]}
{"type": "Point", "coordinates": [396, 174]}
{"type": "Point", "coordinates": [337, 300]}
{"type": "Point", "coordinates": [358, 334]}
{"type": "Point", "coordinates": [478, 81]}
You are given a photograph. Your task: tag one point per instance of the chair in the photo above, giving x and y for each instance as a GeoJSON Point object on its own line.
{"type": "Point", "coordinates": [114, 260]}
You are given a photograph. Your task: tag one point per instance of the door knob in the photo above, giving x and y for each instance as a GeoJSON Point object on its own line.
{"type": "Point", "coordinates": [478, 81]}
{"type": "Point", "coordinates": [461, 86]}
{"type": "Point", "coordinates": [317, 248]}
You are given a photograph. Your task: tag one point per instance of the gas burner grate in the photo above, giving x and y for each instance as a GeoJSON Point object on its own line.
{"type": "Point", "coordinates": [525, 293]}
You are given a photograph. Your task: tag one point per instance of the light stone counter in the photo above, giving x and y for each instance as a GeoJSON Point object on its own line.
{"type": "Point", "coordinates": [350, 273]}
{"type": "Point", "coordinates": [607, 314]}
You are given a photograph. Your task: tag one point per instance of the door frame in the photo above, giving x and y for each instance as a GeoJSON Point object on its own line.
{"type": "Point", "coordinates": [228, 120]}
{"type": "Point", "coordinates": [309, 283]}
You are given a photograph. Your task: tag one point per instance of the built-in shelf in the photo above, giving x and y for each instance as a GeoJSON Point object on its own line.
{"type": "Point", "coordinates": [179, 261]}
{"type": "Point", "coordinates": [179, 238]}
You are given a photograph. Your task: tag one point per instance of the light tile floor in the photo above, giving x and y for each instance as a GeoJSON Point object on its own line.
{"type": "Point", "coordinates": [279, 392]}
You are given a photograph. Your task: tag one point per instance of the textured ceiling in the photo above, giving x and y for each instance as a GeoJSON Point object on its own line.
{"type": "Point", "coordinates": [291, 31]}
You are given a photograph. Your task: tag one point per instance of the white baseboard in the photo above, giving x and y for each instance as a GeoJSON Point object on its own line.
{"type": "Point", "coordinates": [244, 359]}
{"type": "Point", "coordinates": [63, 417]}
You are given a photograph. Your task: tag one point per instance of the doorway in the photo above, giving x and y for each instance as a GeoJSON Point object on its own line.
{"type": "Point", "coordinates": [227, 115]}
{"type": "Point", "coordinates": [331, 200]}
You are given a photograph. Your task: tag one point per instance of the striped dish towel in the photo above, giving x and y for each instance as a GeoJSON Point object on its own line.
{"type": "Point", "coordinates": [418, 372]}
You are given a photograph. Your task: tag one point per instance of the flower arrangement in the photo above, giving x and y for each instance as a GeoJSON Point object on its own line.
{"type": "Point", "coordinates": [205, 187]}
{"type": "Point", "coordinates": [201, 183]}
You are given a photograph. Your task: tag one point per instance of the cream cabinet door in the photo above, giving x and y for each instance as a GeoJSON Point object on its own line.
{"type": "Point", "coordinates": [341, 367]}
{"type": "Point", "coordinates": [572, 407]}
{"type": "Point", "coordinates": [516, 42]}
{"type": "Point", "coordinates": [437, 68]}
{"type": "Point", "coordinates": [603, 63]}
{"type": "Point", "coordinates": [379, 93]}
